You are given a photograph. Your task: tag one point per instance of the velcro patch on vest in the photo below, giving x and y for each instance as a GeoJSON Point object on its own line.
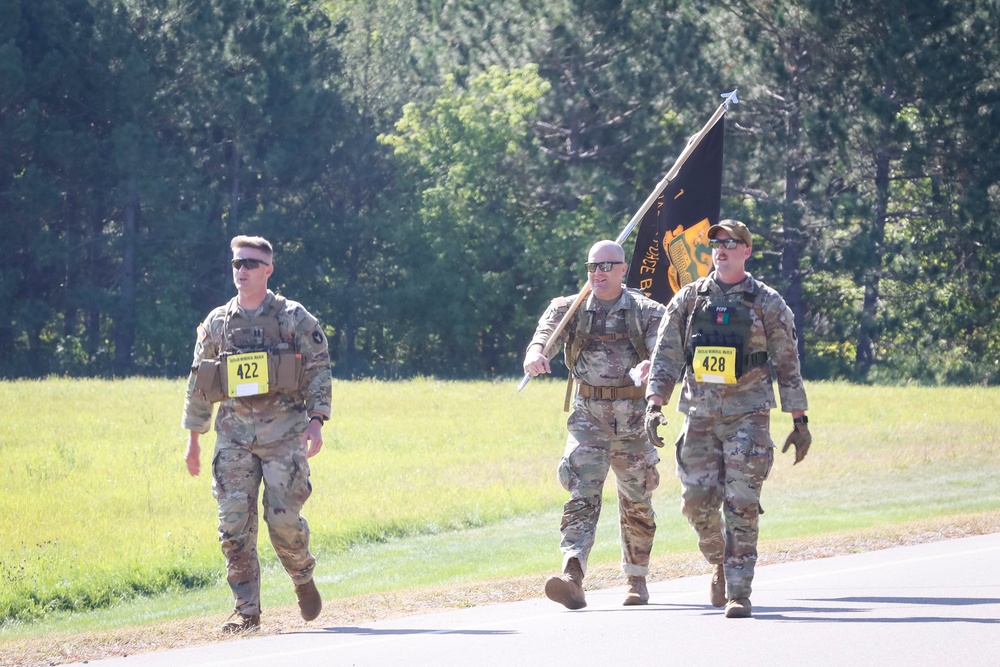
{"type": "Point", "coordinates": [721, 314]}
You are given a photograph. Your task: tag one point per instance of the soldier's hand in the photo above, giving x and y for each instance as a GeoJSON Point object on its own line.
{"type": "Point", "coordinates": [640, 374]}
{"type": "Point", "coordinates": [653, 420]}
{"type": "Point", "coordinates": [801, 438]}
{"type": "Point", "coordinates": [312, 439]}
{"type": "Point", "coordinates": [536, 363]}
{"type": "Point", "coordinates": [193, 456]}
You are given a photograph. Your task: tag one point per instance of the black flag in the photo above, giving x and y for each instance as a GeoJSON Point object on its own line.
{"type": "Point", "coordinates": [671, 248]}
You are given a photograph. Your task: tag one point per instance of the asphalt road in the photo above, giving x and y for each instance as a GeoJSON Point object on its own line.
{"type": "Point", "coordinates": [930, 604]}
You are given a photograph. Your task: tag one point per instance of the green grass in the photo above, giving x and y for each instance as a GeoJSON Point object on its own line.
{"type": "Point", "coordinates": [420, 483]}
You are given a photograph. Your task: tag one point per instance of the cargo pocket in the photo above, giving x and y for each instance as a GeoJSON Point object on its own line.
{"type": "Point", "coordinates": [652, 472]}
{"type": "Point", "coordinates": [678, 445]}
{"type": "Point", "coordinates": [567, 478]}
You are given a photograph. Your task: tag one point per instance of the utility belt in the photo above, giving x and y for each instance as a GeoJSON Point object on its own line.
{"type": "Point", "coordinates": [246, 374]}
{"type": "Point", "coordinates": [609, 393]}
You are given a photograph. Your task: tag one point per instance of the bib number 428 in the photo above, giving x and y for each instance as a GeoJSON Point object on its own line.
{"type": "Point", "coordinates": [716, 365]}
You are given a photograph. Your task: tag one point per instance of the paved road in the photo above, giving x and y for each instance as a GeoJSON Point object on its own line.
{"type": "Point", "coordinates": [931, 604]}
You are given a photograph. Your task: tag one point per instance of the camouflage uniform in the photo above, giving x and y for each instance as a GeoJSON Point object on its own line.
{"type": "Point", "coordinates": [260, 438]}
{"type": "Point", "coordinates": [607, 433]}
{"type": "Point", "coordinates": [724, 452]}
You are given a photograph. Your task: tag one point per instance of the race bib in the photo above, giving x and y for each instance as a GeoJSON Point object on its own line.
{"type": "Point", "coordinates": [247, 374]}
{"type": "Point", "coordinates": [714, 364]}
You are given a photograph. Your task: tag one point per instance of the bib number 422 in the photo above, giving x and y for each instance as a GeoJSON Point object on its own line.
{"type": "Point", "coordinates": [247, 374]}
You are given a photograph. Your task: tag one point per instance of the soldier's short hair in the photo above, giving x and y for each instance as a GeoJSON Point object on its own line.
{"type": "Point", "coordinates": [257, 242]}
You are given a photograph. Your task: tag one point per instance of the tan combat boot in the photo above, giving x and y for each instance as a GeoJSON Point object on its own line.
{"type": "Point", "coordinates": [637, 592]}
{"type": "Point", "coordinates": [738, 608]}
{"type": "Point", "coordinates": [310, 603]}
{"type": "Point", "coordinates": [238, 623]}
{"type": "Point", "coordinates": [567, 589]}
{"type": "Point", "coordinates": [717, 593]}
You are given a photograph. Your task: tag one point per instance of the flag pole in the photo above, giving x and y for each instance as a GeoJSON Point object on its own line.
{"type": "Point", "coordinates": [671, 175]}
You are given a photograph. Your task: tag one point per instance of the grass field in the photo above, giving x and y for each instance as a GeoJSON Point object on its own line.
{"type": "Point", "coordinates": [420, 483]}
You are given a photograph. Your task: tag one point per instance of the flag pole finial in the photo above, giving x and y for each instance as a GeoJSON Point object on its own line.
{"type": "Point", "coordinates": [730, 97]}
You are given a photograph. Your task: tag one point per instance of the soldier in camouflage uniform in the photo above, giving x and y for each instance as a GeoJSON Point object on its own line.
{"type": "Point", "coordinates": [610, 335]}
{"type": "Point", "coordinates": [266, 359]}
{"type": "Point", "coordinates": [722, 335]}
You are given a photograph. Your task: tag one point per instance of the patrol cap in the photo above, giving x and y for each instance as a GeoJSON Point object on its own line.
{"type": "Point", "coordinates": [735, 228]}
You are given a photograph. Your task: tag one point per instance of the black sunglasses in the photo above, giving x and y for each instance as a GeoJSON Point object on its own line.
{"type": "Point", "coordinates": [728, 244]}
{"type": "Point", "coordinates": [603, 266]}
{"type": "Point", "coordinates": [251, 264]}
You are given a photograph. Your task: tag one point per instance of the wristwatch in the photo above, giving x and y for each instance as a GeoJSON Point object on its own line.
{"type": "Point", "coordinates": [321, 420]}
{"type": "Point", "coordinates": [800, 420]}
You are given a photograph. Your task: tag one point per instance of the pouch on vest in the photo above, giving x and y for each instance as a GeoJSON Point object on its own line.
{"type": "Point", "coordinates": [208, 380]}
{"type": "Point", "coordinates": [286, 369]}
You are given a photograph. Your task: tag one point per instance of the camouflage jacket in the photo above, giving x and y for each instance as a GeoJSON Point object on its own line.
{"type": "Point", "coordinates": [274, 416]}
{"type": "Point", "coordinates": [772, 330]}
{"type": "Point", "coordinates": [602, 363]}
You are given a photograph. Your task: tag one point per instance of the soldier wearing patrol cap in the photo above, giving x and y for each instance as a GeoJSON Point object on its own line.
{"type": "Point", "coordinates": [722, 337]}
{"type": "Point", "coordinates": [607, 343]}
{"type": "Point", "coordinates": [264, 359]}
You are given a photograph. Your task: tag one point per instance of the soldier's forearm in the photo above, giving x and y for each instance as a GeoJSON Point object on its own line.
{"type": "Point", "coordinates": [658, 391]}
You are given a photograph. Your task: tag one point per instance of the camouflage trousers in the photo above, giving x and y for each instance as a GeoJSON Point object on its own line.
{"type": "Point", "coordinates": [607, 435]}
{"type": "Point", "coordinates": [722, 463]}
{"type": "Point", "coordinates": [237, 472]}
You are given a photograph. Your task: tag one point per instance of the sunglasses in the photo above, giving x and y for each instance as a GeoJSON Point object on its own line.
{"type": "Point", "coordinates": [728, 244]}
{"type": "Point", "coordinates": [249, 263]}
{"type": "Point", "coordinates": [603, 266]}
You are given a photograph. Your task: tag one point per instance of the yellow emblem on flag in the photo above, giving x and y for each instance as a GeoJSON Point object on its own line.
{"type": "Point", "coordinates": [690, 255]}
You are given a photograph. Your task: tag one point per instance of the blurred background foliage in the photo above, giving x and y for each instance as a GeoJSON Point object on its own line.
{"type": "Point", "coordinates": [432, 173]}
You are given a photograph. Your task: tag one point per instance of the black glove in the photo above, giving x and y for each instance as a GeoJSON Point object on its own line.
{"type": "Point", "coordinates": [801, 438]}
{"type": "Point", "coordinates": [654, 419]}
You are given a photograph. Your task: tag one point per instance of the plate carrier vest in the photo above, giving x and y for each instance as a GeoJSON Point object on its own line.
{"type": "Point", "coordinates": [262, 334]}
{"type": "Point", "coordinates": [724, 324]}
{"type": "Point", "coordinates": [580, 338]}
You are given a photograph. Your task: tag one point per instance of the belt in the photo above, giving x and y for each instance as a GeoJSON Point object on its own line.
{"type": "Point", "coordinates": [609, 393]}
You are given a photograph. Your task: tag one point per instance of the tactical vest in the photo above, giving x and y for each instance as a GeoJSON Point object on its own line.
{"type": "Point", "coordinates": [580, 338]}
{"type": "Point", "coordinates": [719, 337]}
{"type": "Point", "coordinates": [254, 360]}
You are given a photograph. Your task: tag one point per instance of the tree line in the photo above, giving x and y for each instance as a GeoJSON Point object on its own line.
{"type": "Point", "coordinates": [432, 172]}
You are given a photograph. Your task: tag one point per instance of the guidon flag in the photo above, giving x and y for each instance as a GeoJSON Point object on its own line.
{"type": "Point", "coordinates": [671, 247]}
